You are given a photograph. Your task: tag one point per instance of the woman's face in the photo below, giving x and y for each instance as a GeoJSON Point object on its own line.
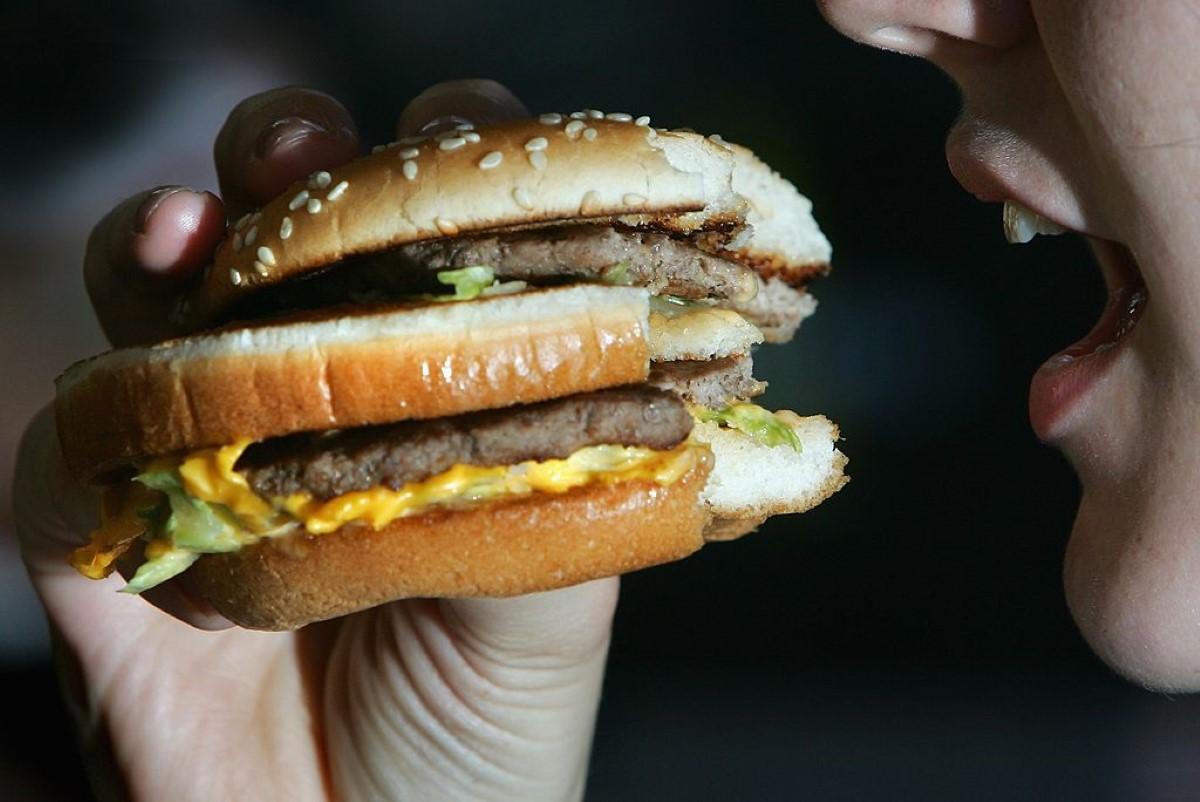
{"type": "Point", "coordinates": [1088, 113]}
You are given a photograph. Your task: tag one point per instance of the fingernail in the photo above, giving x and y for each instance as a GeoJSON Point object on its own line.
{"type": "Point", "coordinates": [141, 218]}
{"type": "Point", "coordinates": [444, 123]}
{"type": "Point", "coordinates": [284, 133]}
{"type": "Point", "coordinates": [445, 105]}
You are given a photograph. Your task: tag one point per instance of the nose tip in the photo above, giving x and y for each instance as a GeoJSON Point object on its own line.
{"type": "Point", "coordinates": [856, 19]}
{"type": "Point", "coordinates": [927, 28]}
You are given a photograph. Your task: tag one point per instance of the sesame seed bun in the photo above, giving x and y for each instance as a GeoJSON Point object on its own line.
{"type": "Point", "coordinates": [553, 170]}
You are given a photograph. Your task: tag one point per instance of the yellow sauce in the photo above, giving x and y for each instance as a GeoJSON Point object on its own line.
{"type": "Point", "coordinates": [209, 475]}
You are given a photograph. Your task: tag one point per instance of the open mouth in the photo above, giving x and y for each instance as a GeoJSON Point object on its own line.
{"type": "Point", "coordinates": [1067, 376]}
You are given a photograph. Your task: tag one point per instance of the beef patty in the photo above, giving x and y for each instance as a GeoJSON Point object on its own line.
{"type": "Point", "coordinates": [332, 463]}
{"type": "Point", "coordinates": [656, 261]}
{"type": "Point", "coordinates": [714, 383]}
{"type": "Point", "coordinates": [541, 256]}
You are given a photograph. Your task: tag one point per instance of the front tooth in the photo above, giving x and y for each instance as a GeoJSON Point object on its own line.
{"type": "Point", "coordinates": [1022, 225]}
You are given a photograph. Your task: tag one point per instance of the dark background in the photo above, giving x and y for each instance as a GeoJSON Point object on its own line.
{"type": "Point", "coordinates": [908, 639]}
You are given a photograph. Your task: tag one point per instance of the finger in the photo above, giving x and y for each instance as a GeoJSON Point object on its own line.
{"type": "Point", "coordinates": [176, 599]}
{"type": "Point", "coordinates": [512, 684]}
{"type": "Point", "coordinates": [55, 514]}
{"type": "Point", "coordinates": [560, 628]}
{"type": "Point", "coordinates": [142, 252]}
{"type": "Point", "coordinates": [442, 106]}
{"type": "Point", "coordinates": [277, 137]}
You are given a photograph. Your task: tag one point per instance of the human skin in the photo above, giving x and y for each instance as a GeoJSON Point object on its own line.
{"type": "Point", "coordinates": [1088, 112]}
{"type": "Point", "coordinates": [423, 699]}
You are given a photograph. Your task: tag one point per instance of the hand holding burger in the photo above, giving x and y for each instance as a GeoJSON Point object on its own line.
{"type": "Point", "coordinates": [387, 699]}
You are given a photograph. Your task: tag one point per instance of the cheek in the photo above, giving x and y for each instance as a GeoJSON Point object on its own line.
{"type": "Point", "coordinates": [1132, 579]}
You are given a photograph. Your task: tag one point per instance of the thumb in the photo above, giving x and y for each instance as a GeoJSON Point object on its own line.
{"type": "Point", "coordinates": [559, 628]}
{"type": "Point", "coordinates": [438, 700]}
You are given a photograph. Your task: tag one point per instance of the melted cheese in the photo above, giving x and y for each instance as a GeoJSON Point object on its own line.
{"type": "Point", "coordinates": [467, 484]}
{"type": "Point", "coordinates": [209, 476]}
{"type": "Point", "coordinates": [121, 524]}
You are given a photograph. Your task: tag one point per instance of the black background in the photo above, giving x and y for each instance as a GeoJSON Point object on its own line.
{"type": "Point", "coordinates": [908, 639]}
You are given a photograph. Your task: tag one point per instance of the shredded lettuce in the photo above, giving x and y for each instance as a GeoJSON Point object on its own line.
{"type": "Point", "coordinates": [617, 274]}
{"type": "Point", "coordinates": [162, 566]}
{"type": "Point", "coordinates": [192, 524]}
{"type": "Point", "coordinates": [180, 528]}
{"type": "Point", "coordinates": [477, 281]}
{"type": "Point", "coordinates": [673, 305]}
{"type": "Point", "coordinates": [751, 419]}
{"type": "Point", "coordinates": [468, 282]}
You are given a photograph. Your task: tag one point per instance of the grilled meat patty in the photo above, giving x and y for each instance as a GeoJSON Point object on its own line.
{"type": "Point", "coordinates": [713, 383]}
{"type": "Point", "coordinates": [542, 256]}
{"type": "Point", "coordinates": [332, 463]}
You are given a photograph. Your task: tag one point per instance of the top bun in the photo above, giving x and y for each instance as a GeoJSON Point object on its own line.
{"type": "Point", "coordinates": [553, 170]}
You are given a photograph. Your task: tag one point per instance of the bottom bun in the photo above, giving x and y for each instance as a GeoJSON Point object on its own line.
{"type": "Point", "coordinates": [502, 549]}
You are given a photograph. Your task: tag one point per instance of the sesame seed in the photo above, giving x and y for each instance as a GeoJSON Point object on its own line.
{"type": "Point", "coordinates": [453, 143]}
{"type": "Point", "coordinates": [523, 198]}
{"type": "Point", "coordinates": [241, 222]}
{"type": "Point", "coordinates": [251, 235]}
{"type": "Point", "coordinates": [538, 159]}
{"type": "Point", "coordinates": [254, 218]}
{"type": "Point", "coordinates": [590, 134]}
{"type": "Point", "coordinates": [265, 255]}
{"type": "Point", "coordinates": [319, 180]}
{"type": "Point", "coordinates": [491, 160]}
{"type": "Point", "coordinates": [465, 127]}
{"type": "Point", "coordinates": [410, 153]}
{"type": "Point", "coordinates": [590, 202]}
{"type": "Point", "coordinates": [553, 118]}
{"type": "Point", "coordinates": [298, 201]}
{"type": "Point", "coordinates": [574, 127]}
{"type": "Point", "coordinates": [313, 205]}
{"type": "Point", "coordinates": [237, 241]}
{"type": "Point", "coordinates": [411, 140]}
{"type": "Point", "coordinates": [579, 115]}
{"type": "Point", "coordinates": [442, 136]}
{"type": "Point", "coordinates": [260, 268]}
{"type": "Point", "coordinates": [337, 191]}
{"type": "Point", "coordinates": [235, 276]}
{"type": "Point", "coordinates": [409, 169]}
{"type": "Point", "coordinates": [633, 199]}
{"type": "Point", "coordinates": [471, 137]}
{"type": "Point", "coordinates": [642, 121]}
{"type": "Point", "coordinates": [651, 133]}
{"type": "Point", "coordinates": [595, 114]}
{"type": "Point", "coordinates": [285, 228]}
{"type": "Point", "coordinates": [378, 148]}
{"type": "Point", "coordinates": [537, 143]}
{"type": "Point", "coordinates": [446, 227]}
{"type": "Point", "coordinates": [618, 116]}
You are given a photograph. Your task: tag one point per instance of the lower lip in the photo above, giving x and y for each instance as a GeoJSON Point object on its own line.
{"type": "Point", "coordinates": [1065, 378]}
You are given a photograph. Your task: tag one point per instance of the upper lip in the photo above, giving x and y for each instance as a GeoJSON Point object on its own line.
{"type": "Point", "coordinates": [990, 184]}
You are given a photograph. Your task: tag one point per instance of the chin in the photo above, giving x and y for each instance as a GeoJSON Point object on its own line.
{"type": "Point", "coordinates": [1131, 588]}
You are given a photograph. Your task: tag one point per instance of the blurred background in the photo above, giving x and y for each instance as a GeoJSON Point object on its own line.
{"type": "Point", "coordinates": [908, 640]}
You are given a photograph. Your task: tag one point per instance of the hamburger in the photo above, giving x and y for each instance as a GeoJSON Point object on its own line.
{"type": "Point", "coordinates": [484, 363]}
